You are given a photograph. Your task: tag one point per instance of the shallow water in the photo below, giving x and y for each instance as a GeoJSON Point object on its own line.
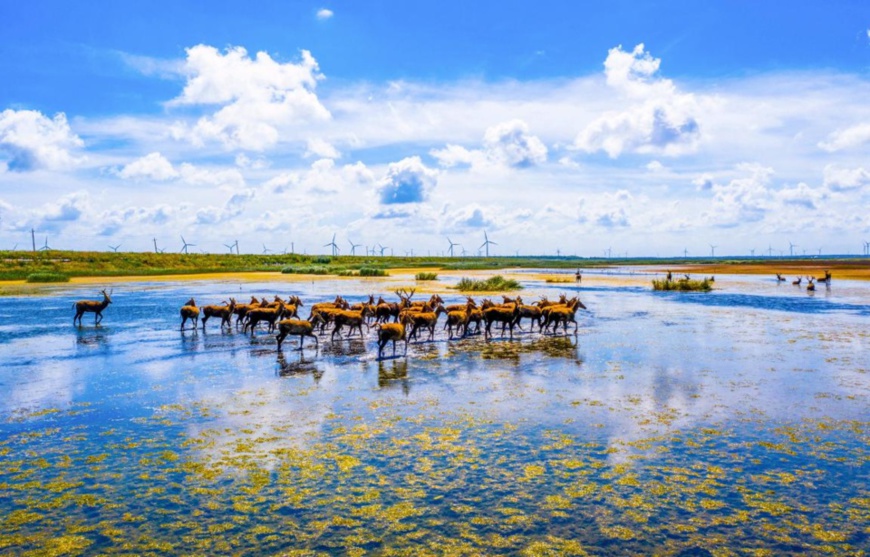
{"type": "Point", "coordinates": [731, 422]}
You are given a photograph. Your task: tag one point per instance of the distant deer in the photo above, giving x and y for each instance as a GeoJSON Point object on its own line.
{"type": "Point", "coordinates": [189, 311]}
{"type": "Point", "coordinates": [95, 306]}
{"type": "Point", "coordinates": [827, 278]}
{"type": "Point", "coordinates": [780, 278]}
{"type": "Point", "coordinates": [797, 281]}
{"type": "Point", "coordinates": [811, 286]}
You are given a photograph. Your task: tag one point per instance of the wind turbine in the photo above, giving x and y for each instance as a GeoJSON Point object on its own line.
{"type": "Point", "coordinates": [353, 246]}
{"type": "Point", "coordinates": [713, 250]}
{"type": "Point", "coordinates": [45, 246]}
{"type": "Point", "coordinates": [486, 243]}
{"type": "Point", "coordinates": [607, 251]}
{"type": "Point", "coordinates": [156, 249]}
{"type": "Point", "coordinates": [230, 247]}
{"type": "Point", "coordinates": [115, 248]}
{"type": "Point", "coordinates": [464, 252]}
{"type": "Point", "coordinates": [685, 252]}
{"type": "Point", "coordinates": [558, 252]}
{"type": "Point", "coordinates": [791, 249]}
{"type": "Point", "coordinates": [769, 250]}
{"type": "Point", "coordinates": [383, 249]}
{"type": "Point", "coordinates": [866, 248]}
{"type": "Point", "coordinates": [185, 245]}
{"type": "Point", "coordinates": [266, 250]}
{"type": "Point", "coordinates": [334, 246]}
{"type": "Point", "coordinates": [449, 241]}
{"type": "Point", "coordinates": [752, 253]}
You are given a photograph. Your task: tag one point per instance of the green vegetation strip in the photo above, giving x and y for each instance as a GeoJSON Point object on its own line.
{"type": "Point", "coordinates": [47, 277]}
{"type": "Point", "coordinates": [426, 276]}
{"type": "Point", "coordinates": [493, 284]}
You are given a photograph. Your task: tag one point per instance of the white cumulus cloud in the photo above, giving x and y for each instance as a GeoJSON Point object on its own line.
{"type": "Point", "coordinates": [853, 136]}
{"type": "Point", "coordinates": [845, 179]}
{"type": "Point", "coordinates": [152, 166]}
{"type": "Point", "coordinates": [505, 144]}
{"type": "Point", "coordinates": [324, 13]}
{"type": "Point", "coordinates": [257, 96]}
{"type": "Point", "coordinates": [29, 141]}
{"type": "Point", "coordinates": [407, 181]}
{"type": "Point", "coordinates": [658, 118]}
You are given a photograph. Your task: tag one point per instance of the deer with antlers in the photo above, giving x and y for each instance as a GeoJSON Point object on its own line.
{"type": "Point", "coordinates": [94, 306]}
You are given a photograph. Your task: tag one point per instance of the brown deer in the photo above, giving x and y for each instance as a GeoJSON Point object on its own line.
{"type": "Point", "coordinates": [269, 315]}
{"type": "Point", "coordinates": [241, 310]}
{"type": "Point", "coordinates": [811, 286]}
{"type": "Point", "coordinates": [300, 328]}
{"type": "Point", "coordinates": [423, 320]}
{"type": "Point", "coordinates": [564, 314]}
{"type": "Point", "coordinates": [94, 306]}
{"type": "Point", "coordinates": [391, 332]}
{"type": "Point", "coordinates": [506, 315]}
{"type": "Point", "coordinates": [189, 311]}
{"type": "Point", "coordinates": [225, 312]}
{"type": "Point", "coordinates": [826, 279]}
{"type": "Point", "coordinates": [353, 320]}
{"type": "Point", "coordinates": [779, 278]}
{"type": "Point", "coordinates": [797, 281]}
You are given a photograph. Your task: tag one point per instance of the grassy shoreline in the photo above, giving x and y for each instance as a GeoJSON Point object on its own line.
{"type": "Point", "coordinates": [18, 265]}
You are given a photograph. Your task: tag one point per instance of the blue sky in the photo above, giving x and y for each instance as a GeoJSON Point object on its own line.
{"type": "Point", "coordinates": [643, 127]}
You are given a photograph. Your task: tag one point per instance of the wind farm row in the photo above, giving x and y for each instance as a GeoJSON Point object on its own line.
{"type": "Point", "coordinates": [454, 249]}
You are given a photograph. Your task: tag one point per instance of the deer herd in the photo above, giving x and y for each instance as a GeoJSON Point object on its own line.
{"type": "Point", "coordinates": [395, 321]}
{"type": "Point", "coordinates": [400, 321]}
{"type": "Point", "coordinates": [811, 281]}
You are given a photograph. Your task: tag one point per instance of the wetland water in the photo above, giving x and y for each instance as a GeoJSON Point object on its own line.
{"type": "Point", "coordinates": [732, 422]}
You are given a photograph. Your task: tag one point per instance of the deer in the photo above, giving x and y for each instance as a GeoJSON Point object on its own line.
{"type": "Point", "coordinates": [461, 307]}
{"type": "Point", "coordinates": [189, 311]}
{"type": "Point", "coordinates": [811, 286]}
{"type": "Point", "coordinates": [545, 312]}
{"type": "Point", "coordinates": [423, 319]}
{"type": "Point", "coordinates": [826, 279]}
{"type": "Point", "coordinates": [506, 315]}
{"type": "Point", "coordinates": [241, 310]}
{"type": "Point", "coordinates": [459, 319]}
{"type": "Point", "coordinates": [564, 314]}
{"type": "Point", "coordinates": [269, 315]}
{"type": "Point", "coordinates": [94, 306]}
{"type": "Point", "coordinates": [779, 278]}
{"type": "Point", "coordinates": [225, 312]}
{"type": "Point", "coordinates": [338, 303]}
{"type": "Point", "coordinates": [353, 319]}
{"type": "Point", "coordinates": [391, 332]}
{"type": "Point", "coordinates": [797, 281]}
{"type": "Point", "coordinates": [298, 327]}
{"type": "Point", "coordinates": [533, 313]}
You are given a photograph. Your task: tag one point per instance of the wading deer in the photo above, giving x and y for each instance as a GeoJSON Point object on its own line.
{"type": "Point", "coordinates": [225, 312]}
{"type": "Point", "coordinates": [269, 315]}
{"type": "Point", "coordinates": [94, 306]}
{"type": "Point", "coordinates": [300, 328]}
{"type": "Point", "coordinates": [353, 320]}
{"type": "Point", "coordinates": [189, 311]}
{"type": "Point", "coordinates": [391, 332]}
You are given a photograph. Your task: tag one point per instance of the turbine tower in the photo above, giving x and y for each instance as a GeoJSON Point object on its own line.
{"type": "Point", "coordinates": [185, 245]}
{"type": "Point", "coordinates": [713, 250]}
{"type": "Point", "coordinates": [352, 246]}
{"type": "Point", "coordinates": [452, 244]}
{"type": "Point", "coordinates": [486, 243]}
{"type": "Point", "coordinates": [334, 246]}
{"type": "Point", "coordinates": [115, 248]}
{"type": "Point", "coordinates": [791, 249]}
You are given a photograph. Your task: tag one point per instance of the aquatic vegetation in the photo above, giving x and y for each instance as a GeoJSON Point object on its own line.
{"type": "Point", "coordinates": [496, 283]}
{"type": "Point", "coordinates": [683, 285]}
{"type": "Point", "coordinates": [426, 276]}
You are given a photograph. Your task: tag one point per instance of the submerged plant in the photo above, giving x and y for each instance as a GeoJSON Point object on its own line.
{"type": "Point", "coordinates": [492, 284]}
{"type": "Point", "coordinates": [683, 285]}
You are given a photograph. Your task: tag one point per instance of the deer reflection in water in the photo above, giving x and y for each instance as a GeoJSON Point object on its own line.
{"type": "Point", "coordinates": [394, 372]}
{"type": "Point", "coordinates": [298, 366]}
